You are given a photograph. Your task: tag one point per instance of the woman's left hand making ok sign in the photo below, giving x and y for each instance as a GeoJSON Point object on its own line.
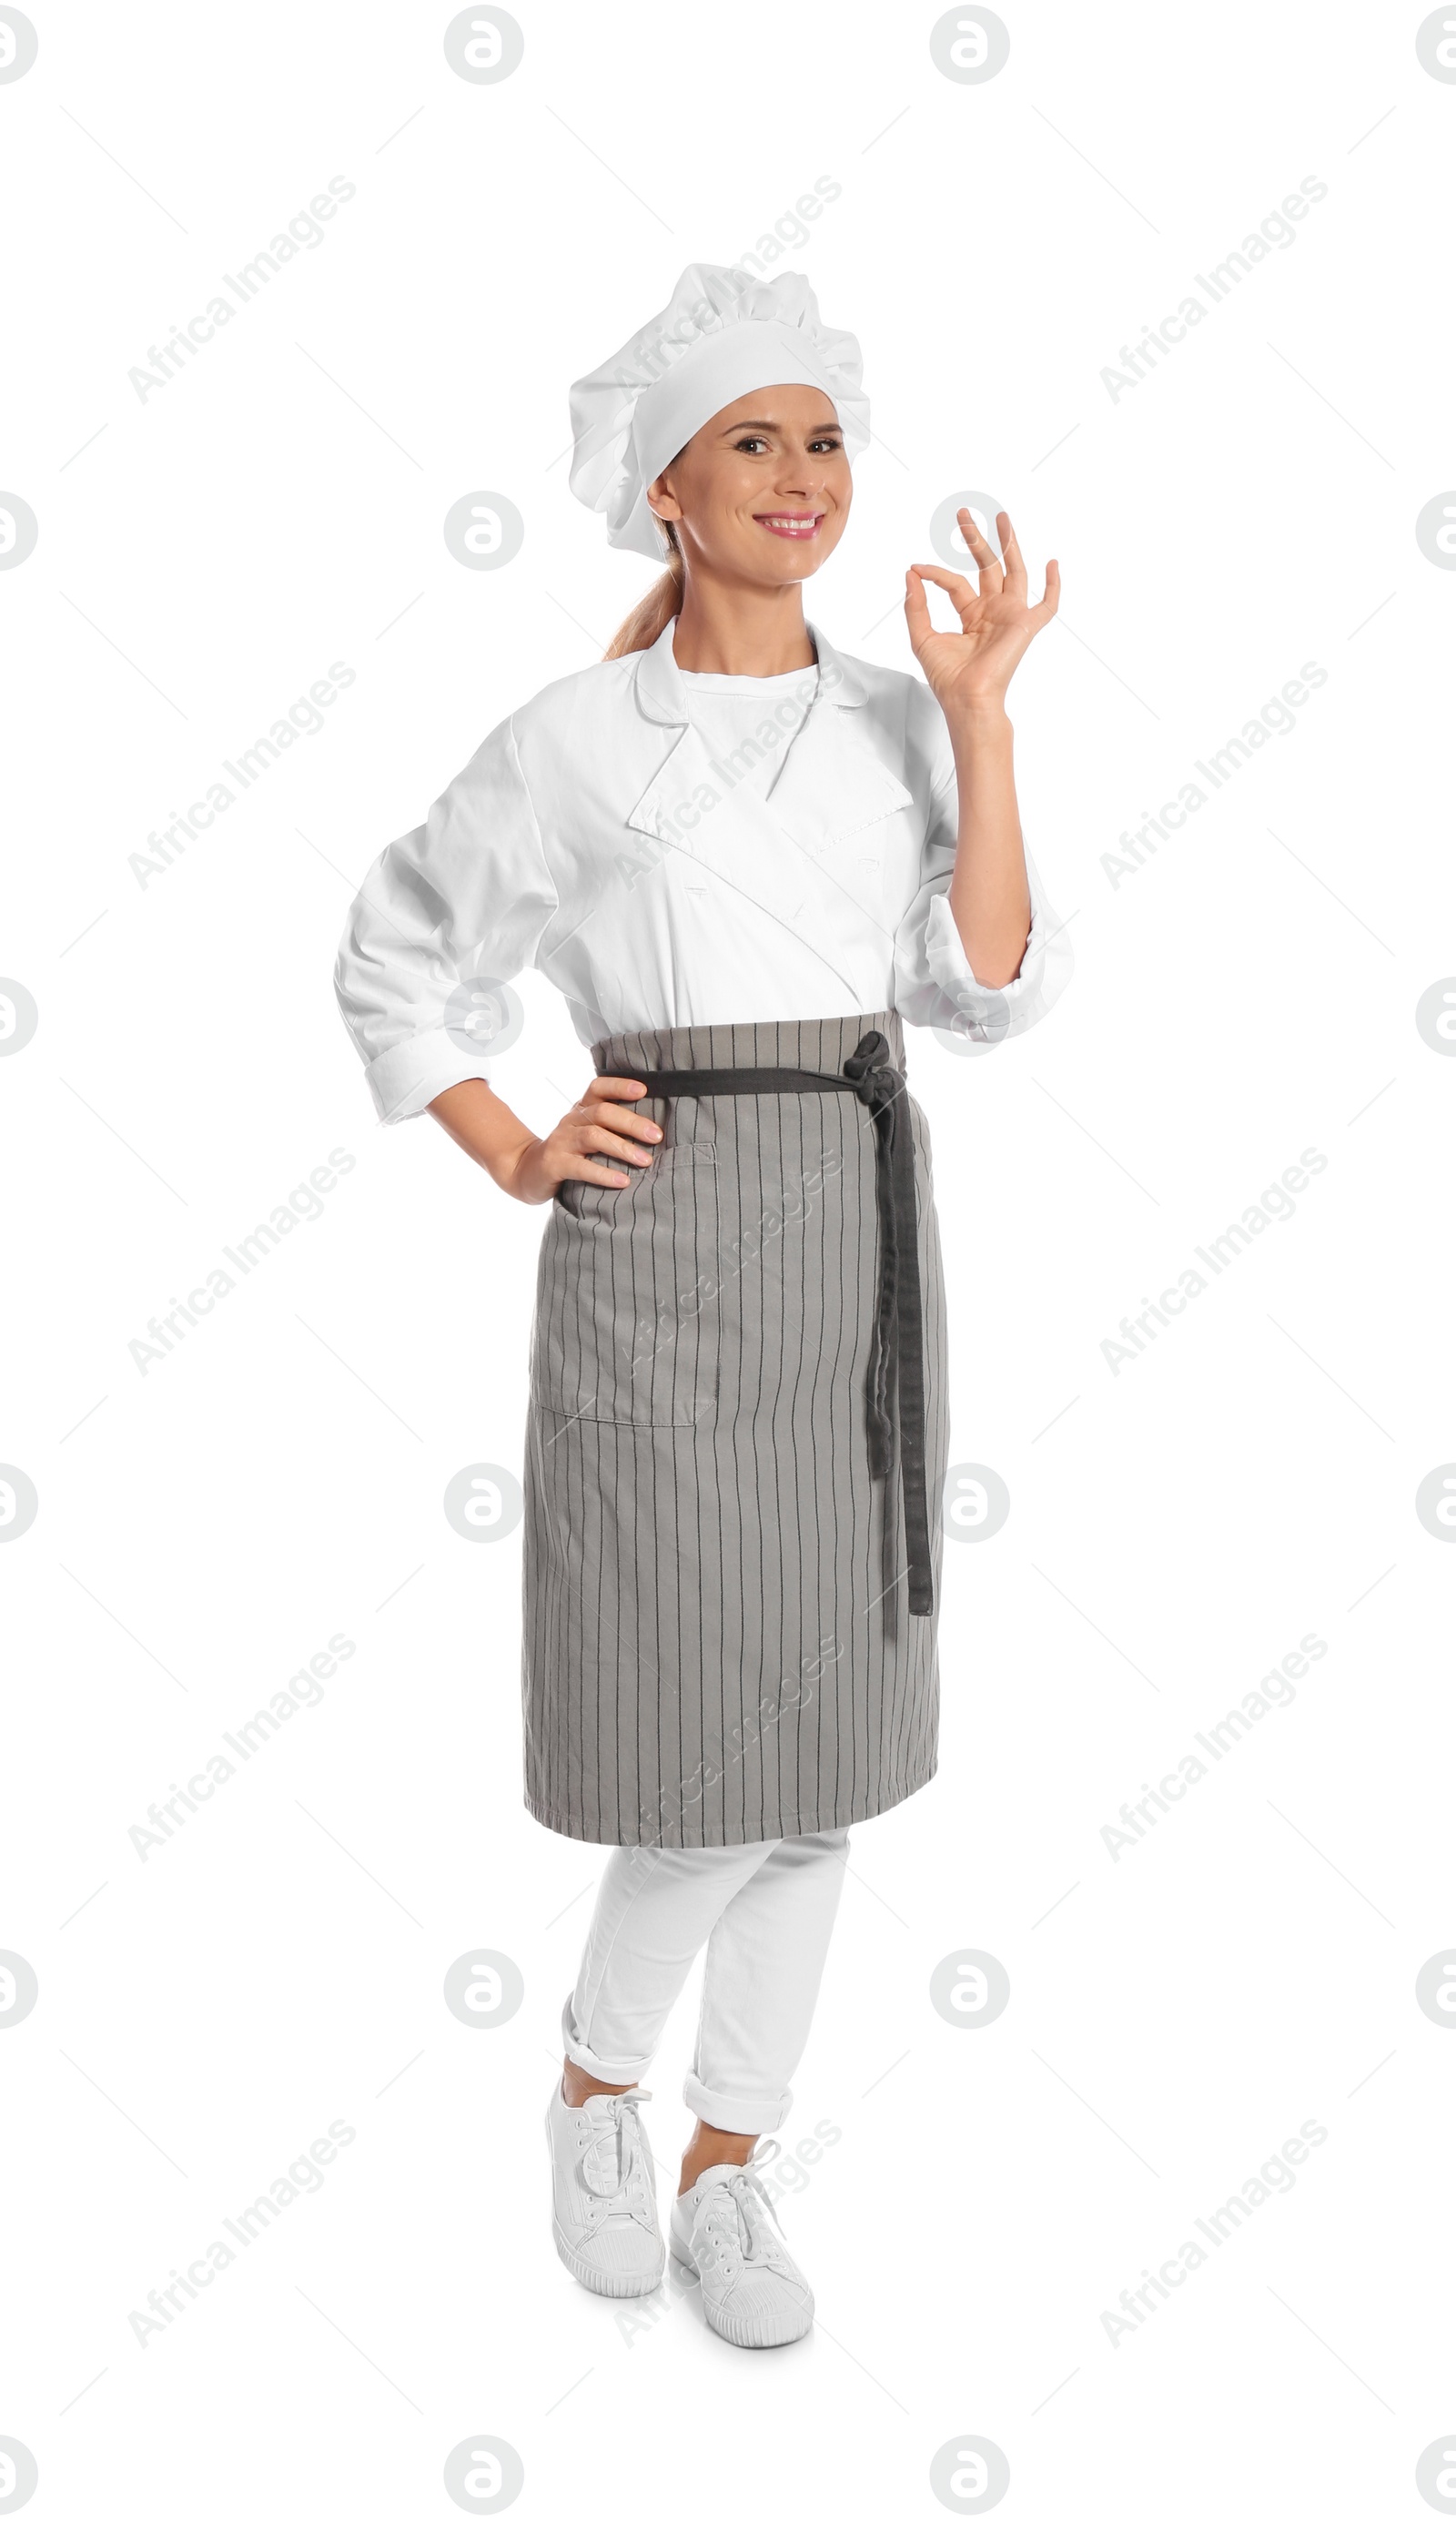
{"type": "Point", "coordinates": [969, 669]}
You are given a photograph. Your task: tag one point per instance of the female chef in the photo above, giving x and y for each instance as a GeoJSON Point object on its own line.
{"type": "Point", "coordinates": [748, 862]}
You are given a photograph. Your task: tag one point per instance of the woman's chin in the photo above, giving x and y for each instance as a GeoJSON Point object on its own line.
{"type": "Point", "coordinates": [785, 564]}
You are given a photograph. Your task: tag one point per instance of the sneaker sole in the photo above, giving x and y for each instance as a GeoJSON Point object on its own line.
{"type": "Point", "coordinates": [737, 2332]}
{"type": "Point", "coordinates": [617, 2282]}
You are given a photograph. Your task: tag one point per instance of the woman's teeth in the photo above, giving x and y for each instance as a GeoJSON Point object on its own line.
{"type": "Point", "coordinates": [799, 527]}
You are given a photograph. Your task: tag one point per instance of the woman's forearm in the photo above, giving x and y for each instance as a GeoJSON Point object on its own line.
{"type": "Point", "coordinates": [473, 1114]}
{"type": "Point", "coordinates": [591, 1142]}
{"type": "Point", "coordinates": [989, 896]}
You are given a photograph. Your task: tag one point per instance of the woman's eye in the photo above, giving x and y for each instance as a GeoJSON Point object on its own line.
{"type": "Point", "coordinates": [828, 446]}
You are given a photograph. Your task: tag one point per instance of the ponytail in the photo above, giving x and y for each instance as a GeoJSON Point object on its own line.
{"type": "Point", "coordinates": [661, 604]}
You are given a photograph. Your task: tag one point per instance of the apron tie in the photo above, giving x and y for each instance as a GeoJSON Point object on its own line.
{"type": "Point", "coordinates": [895, 1383]}
{"type": "Point", "coordinates": [897, 1350]}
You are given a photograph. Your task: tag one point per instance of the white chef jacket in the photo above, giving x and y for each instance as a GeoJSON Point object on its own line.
{"type": "Point", "coordinates": [728, 711]}
{"type": "Point", "coordinates": [595, 839]}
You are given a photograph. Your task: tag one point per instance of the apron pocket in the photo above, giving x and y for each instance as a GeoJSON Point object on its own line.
{"type": "Point", "coordinates": [626, 1323]}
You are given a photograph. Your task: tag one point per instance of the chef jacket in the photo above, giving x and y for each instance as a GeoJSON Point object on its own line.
{"type": "Point", "coordinates": [597, 838]}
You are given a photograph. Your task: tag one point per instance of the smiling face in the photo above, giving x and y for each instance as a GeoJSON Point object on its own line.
{"type": "Point", "coordinates": [761, 492]}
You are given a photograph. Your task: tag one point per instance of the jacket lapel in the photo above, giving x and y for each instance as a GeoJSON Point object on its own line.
{"type": "Point", "coordinates": [782, 850]}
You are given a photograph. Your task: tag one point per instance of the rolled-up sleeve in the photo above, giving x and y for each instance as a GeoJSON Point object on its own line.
{"type": "Point", "coordinates": [934, 984]}
{"type": "Point", "coordinates": [462, 901]}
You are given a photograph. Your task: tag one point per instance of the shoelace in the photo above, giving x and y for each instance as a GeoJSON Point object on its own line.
{"type": "Point", "coordinates": [613, 2161]}
{"type": "Point", "coordinates": [754, 2209]}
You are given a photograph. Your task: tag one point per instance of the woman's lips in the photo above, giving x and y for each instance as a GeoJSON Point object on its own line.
{"type": "Point", "coordinates": [794, 529]}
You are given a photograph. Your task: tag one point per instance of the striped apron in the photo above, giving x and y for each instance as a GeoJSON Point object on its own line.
{"type": "Point", "coordinates": [735, 1450]}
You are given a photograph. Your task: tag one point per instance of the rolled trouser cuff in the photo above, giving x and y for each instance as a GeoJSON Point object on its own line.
{"type": "Point", "coordinates": [743, 2114]}
{"type": "Point", "coordinates": [607, 2071]}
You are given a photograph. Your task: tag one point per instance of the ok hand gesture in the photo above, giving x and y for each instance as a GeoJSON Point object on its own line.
{"type": "Point", "coordinates": [969, 669]}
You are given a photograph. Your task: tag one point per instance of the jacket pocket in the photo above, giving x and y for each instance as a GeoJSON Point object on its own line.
{"type": "Point", "coordinates": [625, 1331]}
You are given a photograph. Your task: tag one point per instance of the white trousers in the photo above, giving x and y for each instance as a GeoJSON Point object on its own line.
{"type": "Point", "coordinates": [765, 1913]}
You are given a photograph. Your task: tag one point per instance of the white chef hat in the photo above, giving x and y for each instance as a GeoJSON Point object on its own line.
{"type": "Point", "coordinates": [721, 334]}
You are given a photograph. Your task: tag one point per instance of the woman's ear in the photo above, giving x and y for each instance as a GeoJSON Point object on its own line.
{"type": "Point", "coordinates": [661, 502]}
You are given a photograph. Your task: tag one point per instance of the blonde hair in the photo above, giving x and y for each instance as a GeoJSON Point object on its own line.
{"type": "Point", "coordinates": [663, 601]}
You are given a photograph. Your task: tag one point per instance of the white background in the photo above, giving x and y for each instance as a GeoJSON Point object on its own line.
{"type": "Point", "coordinates": [1176, 1526]}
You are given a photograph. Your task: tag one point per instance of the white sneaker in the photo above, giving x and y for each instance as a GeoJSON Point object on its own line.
{"type": "Point", "coordinates": [726, 2229]}
{"type": "Point", "coordinates": [604, 2193]}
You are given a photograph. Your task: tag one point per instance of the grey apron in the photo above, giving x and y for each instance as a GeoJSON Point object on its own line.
{"type": "Point", "coordinates": [718, 1638]}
